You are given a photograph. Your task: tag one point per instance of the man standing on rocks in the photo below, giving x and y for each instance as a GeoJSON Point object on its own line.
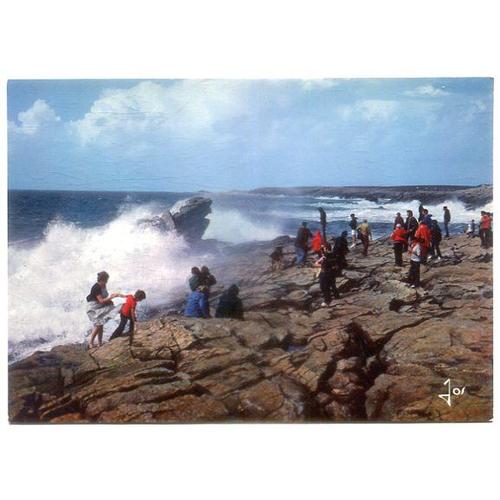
{"type": "Point", "coordinates": [302, 244]}
{"type": "Point", "coordinates": [415, 259]}
{"type": "Point", "coordinates": [365, 234]}
{"type": "Point", "coordinates": [411, 225]}
{"type": "Point", "coordinates": [398, 236]}
{"type": "Point", "coordinates": [327, 283]}
{"type": "Point", "coordinates": [398, 220]}
{"type": "Point", "coordinates": [447, 219]}
{"type": "Point", "coordinates": [353, 224]}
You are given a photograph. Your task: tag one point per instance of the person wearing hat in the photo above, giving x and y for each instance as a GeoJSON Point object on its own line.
{"type": "Point", "coordinates": [400, 238]}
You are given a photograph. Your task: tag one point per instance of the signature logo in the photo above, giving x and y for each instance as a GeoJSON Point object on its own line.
{"type": "Point", "coordinates": [452, 392]}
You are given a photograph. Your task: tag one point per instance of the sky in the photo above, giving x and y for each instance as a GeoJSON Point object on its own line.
{"type": "Point", "coordinates": [218, 135]}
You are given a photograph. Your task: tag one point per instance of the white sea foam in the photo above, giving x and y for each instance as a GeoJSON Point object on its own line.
{"type": "Point", "coordinates": [233, 227]}
{"type": "Point", "coordinates": [48, 283]}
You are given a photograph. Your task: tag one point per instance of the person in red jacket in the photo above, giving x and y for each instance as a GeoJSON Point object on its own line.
{"type": "Point", "coordinates": [423, 233]}
{"type": "Point", "coordinates": [485, 229]}
{"type": "Point", "coordinates": [316, 243]}
{"type": "Point", "coordinates": [127, 313]}
{"type": "Point", "coordinates": [399, 237]}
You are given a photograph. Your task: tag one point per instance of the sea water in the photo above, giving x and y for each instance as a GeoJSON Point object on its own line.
{"type": "Point", "coordinates": [58, 241]}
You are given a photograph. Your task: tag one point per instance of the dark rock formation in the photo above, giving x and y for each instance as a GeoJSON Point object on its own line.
{"type": "Point", "coordinates": [471, 196]}
{"type": "Point", "coordinates": [187, 217]}
{"type": "Point", "coordinates": [380, 353]}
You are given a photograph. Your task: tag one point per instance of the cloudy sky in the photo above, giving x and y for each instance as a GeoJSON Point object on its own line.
{"type": "Point", "coordinates": [187, 135]}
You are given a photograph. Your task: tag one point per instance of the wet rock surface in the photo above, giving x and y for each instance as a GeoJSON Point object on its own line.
{"type": "Point", "coordinates": [381, 352]}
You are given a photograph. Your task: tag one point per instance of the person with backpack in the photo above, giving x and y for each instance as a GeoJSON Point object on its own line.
{"type": "Point", "coordinates": [329, 269]}
{"type": "Point", "coordinates": [436, 238]}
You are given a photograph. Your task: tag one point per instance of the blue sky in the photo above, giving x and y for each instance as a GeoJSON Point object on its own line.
{"type": "Point", "coordinates": [187, 135]}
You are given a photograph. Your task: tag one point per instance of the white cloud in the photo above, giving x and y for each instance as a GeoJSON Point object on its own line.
{"type": "Point", "coordinates": [370, 110]}
{"type": "Point", "coordinates": [427, 91]}
{"type": "Point", "coordinates": [319, 84]}
{"type": "Point", "coordinates": [187, 108]}
{"type": "Point", "coordinates": [34, 118]}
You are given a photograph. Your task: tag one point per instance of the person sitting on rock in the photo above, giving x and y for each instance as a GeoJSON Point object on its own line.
{"type": "Point", "coordinates": [399, 237]}
{"type": "Point", "coordinates": [341, 249]}
{"type": "Point", "coordinates": [194, 280]}
{"type": "Point", "coordinates": [127, 313]}
{"type": "Point", "coordinates": [206, 281]}
{"type": "Point", "coordinates": [196, 306]}
{"type": "Point", "coordinates": [329, 268]}
{"type": "Point", "coordinates": [230, 305]}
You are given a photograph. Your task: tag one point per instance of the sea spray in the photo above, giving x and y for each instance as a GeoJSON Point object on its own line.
{"type": "Point", "coordinates": [48, 282]}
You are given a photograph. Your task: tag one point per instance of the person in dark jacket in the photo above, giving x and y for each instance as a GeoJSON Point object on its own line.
{"type": "Point", "coordinates": [411, 225]}
{"type": "Point", "coordinates": [421, 213]}
{"type": "Point", "coordinates": [327, 283]}
{"type": "Point", "coordinates": [353, 224]}
{"type": "Point", "coordinates": [341, 249]}
{"type": "Point", "coordinates": [322, 219]}
{"type": "Point", "coordinates": [436, 240]}
{"type": "Point", "coordinates": [398, 220]}
{"type": "Point", "coordinates": [447, 220]}
{"type": "Point", "coordinates": [230, 305]}
{"type": "Point", "coordinates": [427, 219]}
{"type": "Point", "coordinates": [206, 281]}
{"type": "Point", "coordinates": [302, 244]}
{"type": "Point", "coordinates": [194, 280]}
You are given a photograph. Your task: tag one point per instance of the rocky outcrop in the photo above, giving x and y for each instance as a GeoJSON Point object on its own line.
{"type": "Point", "coordinates": [471, 196]}
{"type": "Point", "coordinates": [382, 352]}
{"type": "Point", "coordinates": [187, 217]}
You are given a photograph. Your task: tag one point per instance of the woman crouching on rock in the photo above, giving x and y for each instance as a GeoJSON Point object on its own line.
{"type": "Point", "coordinates": [100, 307]}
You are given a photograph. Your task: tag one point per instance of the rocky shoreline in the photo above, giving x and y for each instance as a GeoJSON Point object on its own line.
{"type": "Point", "coordinates": [381, 353]}
{"type": "Point", "coordinates": [472, 196]}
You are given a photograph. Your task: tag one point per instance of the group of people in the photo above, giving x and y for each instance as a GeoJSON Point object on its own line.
{"type": "Point", "coordinates": [198, 305]}
{"type": "Point", "coordinates": [100, 309]}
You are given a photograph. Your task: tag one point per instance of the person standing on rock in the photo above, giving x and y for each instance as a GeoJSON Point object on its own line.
{"type": "Point", "coordinates": [398, 220]}
{"type": "Point", "coordinates": [424, 235]}
{"type": "Point", "coordinates": [327, 282]}
{"type": "Point", "coordinates": [230, 305]}
{"type": "Point", "coordinates": [411, 226]}
{"type": "Point", "coordinates": [446, 220]}
{"type": "Point", "coordinates": [322, 219]}
{"type": "Point", "coordinates": [415, 259]}
{"type": "Point", "coordinates": [100, 307]}
{"type": "Point", "coordinates": [194, 280]}
{"type": "Point", "coordinates": [302, 244]}
{"type": "Point", "coordinates": [207, 280]}
{"type": "Point", "coordinates": [341, 249]}
{"type": "Point", "coordinates": [365, 234]}
{"type": "Point", "coordinates": [196, 306]}
{"type": "Point", "coordinates": [316, 243]}
{"type": "Point", "coordinates": [436, 240]}
{"type": "Point", "coordinates": [421, 213]}
{"type": "Point", "coordinates": [399, 237]}
{"type": "Point", "coordinates": [353, 224]}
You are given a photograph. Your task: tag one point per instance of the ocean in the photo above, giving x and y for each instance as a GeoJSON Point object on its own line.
{"type": "Point", "coordinates": [59, 240]}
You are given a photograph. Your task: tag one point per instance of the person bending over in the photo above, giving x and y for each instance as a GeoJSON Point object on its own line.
{"type": "Point", "coordinates": [230, 305]}
{"type": "Point", "coordinates": [128, 314]}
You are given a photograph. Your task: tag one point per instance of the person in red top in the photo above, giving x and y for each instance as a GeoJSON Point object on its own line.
{"type": "Point", "coordinates": [127, 313]}
{"type": "Point", "coordinates": [424, 234]}
{"type": "Point", "coordinates": [485, 229]}
{"type": "Point", "coordinates": [316, 243]}
{"type": "Point", "coordinates": [400, 238]}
